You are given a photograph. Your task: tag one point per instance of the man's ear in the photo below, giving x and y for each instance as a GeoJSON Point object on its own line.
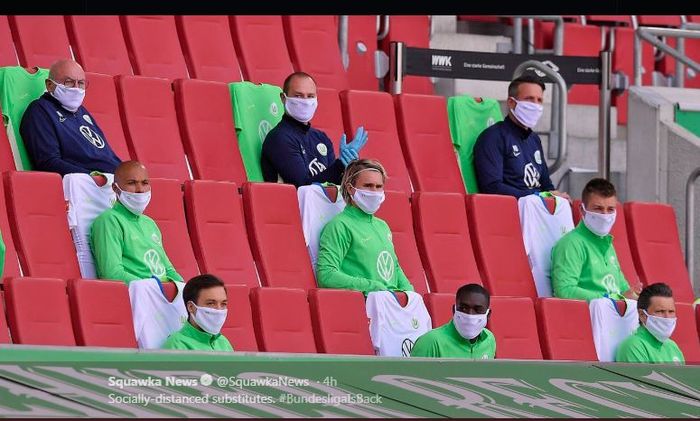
{"type": "Point", "coordinates": [191, 309]}
{"type": "Point", "coordinates": [642, 316]}
{"type": "Point", "coordinates": [282, 97]}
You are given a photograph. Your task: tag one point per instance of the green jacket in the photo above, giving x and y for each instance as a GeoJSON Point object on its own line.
{"type": "Point", "coordinates": [356, 252]}
{"type": "Point", "coordinates": [446, 342]}
{"type": "Point", "coordinates": [643, 347]}
{"type": "Point", "coordinates": [191, 338]}
{"type": "Point", "coordinates": [129, 247]}
{"type": "Point", "coordinates": [585, 266]}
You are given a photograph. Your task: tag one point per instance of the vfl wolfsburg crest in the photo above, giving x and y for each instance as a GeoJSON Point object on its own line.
{"type": "Point", "coordinates": [415, 323]}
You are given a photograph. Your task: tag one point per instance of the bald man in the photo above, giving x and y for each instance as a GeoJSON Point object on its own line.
{"type": "Point", "coordinates": [127, 245]}
{"type": "Point", "coordinates": [60, 134]}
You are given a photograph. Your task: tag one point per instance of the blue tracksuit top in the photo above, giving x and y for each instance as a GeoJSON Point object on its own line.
{"type": "Point", "coordinates": [299, 154]}
{"type": "Point", "coordinates": [58, 140]}
{"type": "Point", "coordinates": [509, 160]}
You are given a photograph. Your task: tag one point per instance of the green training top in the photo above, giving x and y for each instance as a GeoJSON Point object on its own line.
{"type": "Point", "coordinates": [468, 119]}
{"type": "Point", "coordinates": [446, 342]}
{"type": "Point", "coordinates": [585, 266]}
{"type": "Point", "coordinates": [643, 347]}
{"type": "Point", "coordinates": [256, 110]}
{"type": "Point", "coordinates": [18, 88]}
{"type": "Point", "coordinates": [191, 338]}
{"type": "Point", "coordinates": [129, 247]}
{"type": "Point", "coordinates": [356, 252]}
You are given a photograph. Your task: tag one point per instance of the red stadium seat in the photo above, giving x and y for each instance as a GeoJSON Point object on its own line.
{"type": "Point", "coordinates": [150, 123]}
{"type": "Point", "coordinates": [275, 329]}
{"type": "Point", "coordinates": [583, 40]}
{"type": "Point", "coordinates": [40, 40]}
{"type": "Point", "coordinates": [215, 221]}
{"type": "Point", "coordinates": [238, 328]}
{"type": "Point", "coordinates": [443, 236]}
{"type": "Point", "coordinates": [686, 333]}
{"type": "Point", "coordinates": [340, 323]}
{"type": "Point", "coordinates": [565, 330]}
{"type": "Point", "coordinates": [620, 242]}
{"type": "Point", "coordinates": [261, 47]}
{"type": "Point", "coordinates": [362, 44]}
{"type": "Point", "coordinates": [169, 290]}
{"type": "Point", "coordinates": [4, 329]}
{"type": "Point", "coordinates": [168, 211]}
{"type": "Point", "coordinates": [8, 57]}
{"type": "Point", "coordinates": [697, 318]}
{"type": "Point", "coordinates": [101, 313]}
{"type": "Point", "coordinates": [37, 213]}
{"type": "Point", "coordinates": [329, 117]}
{"type": "Point", "coordinates": [673, 21]}
{"type": "Point", "coordinates": [439, 306]}
{"type": "Point", "coordinates": [375, 111]}
{"type": "Point", "coordinates": [498, 245]}
{"type": "Point", "coordinates": [425, 139]}
{"type": "Point", "coordinates": [396, 212]}
{"type": "Point", "coordinates": [514, 325]}
{"type": "Point", "coordinates": [11, 269]}
{"type": "Point", "coordinates": [208, 47]}
{"type": "Point", "coordinates": [38, 311]}
{"type": "Point", "coordinates": [7, 160]}
{"type": "Point", "coordinates": [312, 42]}
{"type": "Point", "coordinates": [623, 61]}
{"type": "Point", "coordinates": [276, 236]}
{"type": "Point", "coordinates": [154, 48]}
{"type": "Point", "coordinates": [207, 129]}
{"type": "Point", "coordinates": [656, 247]}
{"type": "Point", "coordinates": [625, 20]}
{"type": "Point", "coordinates": [101, 101]}
{"type": "Point", "coordinates": [98, 44]}
{"type": "Point", "coordinates": [414, 31]}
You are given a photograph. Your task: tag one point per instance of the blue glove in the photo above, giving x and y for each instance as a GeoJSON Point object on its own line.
{"type": "Point", "coordinates": [347, 155]}
{"type": "Point", "coordinates": [357, 143]}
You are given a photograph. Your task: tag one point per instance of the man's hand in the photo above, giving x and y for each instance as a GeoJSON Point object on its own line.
{"type": "Point", "coordinates": [348, 155]}
{"type": "Point", "coordinates": [357, 143]}
{"type": "Point", "coordinates": [100, 180]}
{"type": "Point", "coordinates": [561, 194]}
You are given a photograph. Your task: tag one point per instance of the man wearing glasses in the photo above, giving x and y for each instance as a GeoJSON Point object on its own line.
{"type": "Point", "coordinates": [60, 134]}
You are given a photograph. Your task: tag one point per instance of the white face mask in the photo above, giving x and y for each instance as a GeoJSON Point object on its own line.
{"type": "Point", "coordinates": [368, 201]}
{"type": "Point", "coordinates": [135, 202]}
{"type": "Point", "coordinates": [527, 113]}
{"type": "Point", "coordinates": [70, 98]}
{"type": "Point", "coordinates": [301, 109]}
{"type": "Point", "coordinates": [469, 326]}
{"type": "Point", "coordinates": [599, 223]}
{"type": "Point", "coordinates": [661, 327]}
{"type": "Point", "coordinates": [210, 320]}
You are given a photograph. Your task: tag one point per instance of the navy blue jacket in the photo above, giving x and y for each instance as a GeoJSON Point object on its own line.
{"type": "Point", "coordinates": [58, 140]}
{"type": "Point", "coordinates": [509, 160]}
{"type": "Point", "coordinates": [299, 154]}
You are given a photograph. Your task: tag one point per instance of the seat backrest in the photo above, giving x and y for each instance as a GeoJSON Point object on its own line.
{"type": "Point", "coordinates": [4, 329]}
{"type": "Point", "coordinates": [686, 334]}
{"type": "Point", "coordinates": [565, 329]}
{"type": "Point", "coordinates": [362, 46]}
{"type": "Point", "coordinates": [168, 211]}
{"type": "Point", "coordinates": [217, 230]}
{"type": "Point", "coordinates": [38, 312]}
{"type": "Point", "coordinates": [37, 214]}
{"type": "Point", "coordinates": [439, 305]}
{"type": "Point", "coordinates": [673, 21]}
{"type": "Point", "coordinates": [98, 44]}
{"type": "Point", "coordinates": [396, 212]}
{"type": "Point", "coordinates": [153, 46]}
{"type": "Point", "coordinates": [513, 323]}
{"type": "Point", "coordinates": [261, 48]}
{"type": "Point", "coordinates": [40, 40]}
{"type": "Point", "coordinates": [101, 313]}
{"type": "Point", "coordinates": [424, 131]}
{"type": "Point", "coordinates": [102, 102]}
{"type": "Point", "coordinates": [656, 247]}
{"type": "Point", "coordinates": [208, 131]}
{"type": "Point", "coordinates": [375, 111]}
{"type": "Point", "coordinates": [8, 57]}
{"type": "Point", "coordinates": [11, 267]}
{"type": "Point", "coordinates": [275, 330]}
{"type": "Point", "coordinates": [208, 47]}
{"type": "Point", "coordinates": [329, 116]}
{"type": "Point", "coordinates": [414, 31]}
{"type": "Point", "coordinates": [238, 327]}
{"type": "Point", "coordinates": [498, 245]}
{"type": "Point", "coordinates": [340, 322]}
{"type": "Point", "coordinates": [150, 123]}
{"type": "Point", "coordinates": [609, 19]}
{"type": "Point", "coordinates": [276, 237]}
{"type": "Point", "coordinates": [444, 242]}
{"type": "Point", "coordinates": [312, 42]}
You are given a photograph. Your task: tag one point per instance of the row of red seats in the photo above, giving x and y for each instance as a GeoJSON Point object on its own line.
{"type": "Point", "coordinates": [438, 236]}
{"type": "Point", "coordinates": [98, 313]}
{"type": "Point", "coordinates": [261, 49]}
